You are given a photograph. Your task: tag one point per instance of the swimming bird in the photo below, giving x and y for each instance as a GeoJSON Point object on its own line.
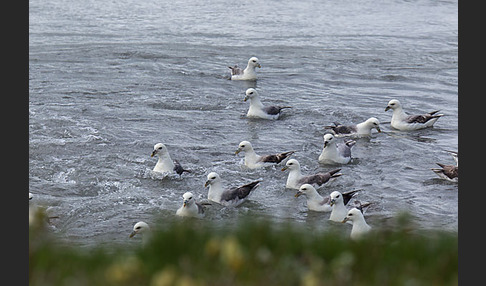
{"type": "Point", "coordinates": [334, 152]}
{"type": "Point", "coordinates": [165, 163]}
{"type": "Point", "coordinates": [190, 208]}
{"type": "Point", "coordinates": [248, 73]}
{"type": "Point", "coordinates": [401, 121]}
{"type": "Point", "coordinates": [338, 203]}
{"type": "Point", "coordinates": [143, 229]}
{"type": "Point", "coordinates": [228, 197]}
{"type": "Point", "coordinates": [316, 202]}
{"type": "Point", "coordinates": [257, 110]}
{"type": "Point", "coordinates": [449, 172]}
{"type": "Point", "coordinates": [360, 227]}
{"type": "Point", "coordinates": [253, 161]}
{"type": "Point", "coordinates": [296, 179]}
{"type": "Point", "coordinates": [360, 129]}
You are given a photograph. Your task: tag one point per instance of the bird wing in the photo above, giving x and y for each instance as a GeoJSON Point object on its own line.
{"type": "Point", "coordinates": [277, 158]}
{"type": "Point", "coordinates": [236, 194]}
{"type": "Point", "coordinates": [235, 70]}
{"type": "Point", "coordinates": [422, 118]}
{"type": "Point", "coordinates": [319, 178]}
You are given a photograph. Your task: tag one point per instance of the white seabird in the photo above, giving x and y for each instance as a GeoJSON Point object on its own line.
{"type": "Point", "coordinates": [190, 208]}
{"type": "Point", "coordinates": [401, 121]}
{"type": "Point", "coordinates": [165, 164]}
{"type": "Point", "coordinates": [248, 73]}
{"type": "Point", "coordinates": [316, 202]}
{"type": "Point", "coordinates": [360, 129]}
{"type": "Point", "coordinates": [296, 179]}
{"type": "Point", "coordinates": [360, 227]}
{"type": "Point", "coordinates": [335, 153]}
{"type": "Point", "coordinates": [142, 229]}
{"type": "Point", "coordinates": [253, 161]}
{"type": "Point", "coordinates": [228, 197]}
{"type": "Point", "coordinates": [257, 110]}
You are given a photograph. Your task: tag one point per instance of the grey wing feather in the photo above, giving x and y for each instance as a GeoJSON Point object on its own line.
{"type": "Point", "coordinates": [449, 170]}
{"type": "Point", "coordinates": [345, 148]}
{"type": "Point", "coordinates": [235, 70]}
{"type": "Point", "coordinates": [342, 129]}
{"type": "Point", "coordinates": [422, 118]}
{"type": "Point", "coordinates": [277, 158]}
{"type": "Point", "coordinates": [239, 193]}
{"type": "Point", "coordinates": [348, 195]}
{"type": "Point", "coordinates": [319, 178]}
{"type": "Point", "coordinates": [326, 200]}
{"type": "Point", "coordinates": [200, 208]}
{"type": "Point", "coordinates": [179, 169]}
{"type": "Point", "coordinates": [274, 110]}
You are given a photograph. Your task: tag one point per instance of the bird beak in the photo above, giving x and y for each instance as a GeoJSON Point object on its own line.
{"type": "Point", "coordinates": [284, 168]}
{"type": "Point", "coordinates": [206, 184]}
{"type": "Point", "coordinates": [246, 98]}
{"type": "Point", "coordinates": [132, 234]}
{"type": "Point", "coordinates": [332, 202]}
{"type": "Point", "coordinates": [326, 143]}
{"type": "Point", "coordinates": [184, 204]}
{"type": "Point", "coordinates": [153, 153]}
{"type": "Point", "coordinates": [237, 151]}
{"type": "Point", "coordinates": [258, 65]}
{"type": "Point", "coordinates": [378, 129]}
{"type": "Point", "coordinates": [298, 194]}
{"type": "Point", "coordinates": [345, 220]}
{"type": "Point", "coordinates": [387, 107]}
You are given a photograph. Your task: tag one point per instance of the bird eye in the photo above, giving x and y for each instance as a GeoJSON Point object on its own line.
{"type": "Point", "coordinates": [213, 178]}
{"type": "Point", "coordinates": [350, 214]}
{"type": "Point", "coordinates": [304, 189]}
{"type": "Point", "coordinates": [251, 92]}
{"type": "Point", "coordinates": [337, 196]}
{"type": "Point", "coordinates": [138, 227]}
{"type": "Point", "coordinates": [254, 61]}
{"type": "Point", "coordinates": [190, 198]}
{"type": "Point", "coordinates": [242, 146]}
{"type": "Point", "coordinates": [160, 147]}
{"type": "Point", "coordinates": [291, 164]}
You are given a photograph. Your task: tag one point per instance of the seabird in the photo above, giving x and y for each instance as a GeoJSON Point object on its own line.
{"type": "Point", "coordinates": [248, 73]}
{"type": "Point", "coordinates": [190, 207]}
{"type": "Point", "coordinates": [253, 161]}
{"type": "Point", "coordinates": [449, 172]}
{"type": "Point", "coordinates": [360, 227]}
{"type": "Point", "coordinates": [334, 152]}
{"type": "Point", "coordinates": [257, 110]}
{"type": "Point", "coordinates": [316, 202]}
{"type": "Point", "coordinates": [141, 228]}
{"type": "Point", "coordinates": [228, 197]}
{"type": "Point", "coordinates": [165, 163]}
{"type": "Point", "coordinates": [360, 129]}
{"type": "Point", "coordinates": [296, 179]}
{"type": "Point", "coordinates": [338, 203]}
{"type": "Point", "coordinates": [401, 121]}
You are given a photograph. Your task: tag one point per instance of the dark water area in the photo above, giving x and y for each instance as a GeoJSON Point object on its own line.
{"type": "Point", "coordinates": [110, 79]}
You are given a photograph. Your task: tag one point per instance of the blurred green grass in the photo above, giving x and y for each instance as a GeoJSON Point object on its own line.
{"type": "Point", "coordinates": [253, 252]}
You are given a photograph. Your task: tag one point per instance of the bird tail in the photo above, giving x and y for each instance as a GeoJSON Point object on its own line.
{"type": "Point", "coordinates": [333, 173]}
{"type": "Point", "coordinates": [360, 206]}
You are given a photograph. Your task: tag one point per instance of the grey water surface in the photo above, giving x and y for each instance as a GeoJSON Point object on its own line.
{"type": "Point", "coordinates": [109, 79]}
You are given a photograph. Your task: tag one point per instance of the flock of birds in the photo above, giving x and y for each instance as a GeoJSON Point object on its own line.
{"type": "Point", "coordinates": [333, 152]}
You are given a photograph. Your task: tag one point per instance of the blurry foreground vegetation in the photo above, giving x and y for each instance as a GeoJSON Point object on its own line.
{"type": "Point", "coordinates": [254, 252]}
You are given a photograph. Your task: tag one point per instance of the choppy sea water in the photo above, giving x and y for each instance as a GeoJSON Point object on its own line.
{"type": "Point", "coordinates": [109, 79]}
